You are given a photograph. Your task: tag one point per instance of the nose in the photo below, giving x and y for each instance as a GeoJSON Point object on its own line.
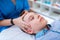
{"type": "Point", "coordinates": [38, 16]}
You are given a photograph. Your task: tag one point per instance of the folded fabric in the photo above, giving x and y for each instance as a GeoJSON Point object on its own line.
{"type": "Point", "coordinates": [41, 33]}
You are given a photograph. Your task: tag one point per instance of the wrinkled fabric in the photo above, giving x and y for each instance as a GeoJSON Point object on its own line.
{"type": "Point", "coordinates": [53, 33]}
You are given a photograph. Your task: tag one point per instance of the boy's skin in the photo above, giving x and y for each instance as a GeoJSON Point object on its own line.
{"type": "Point", "coordinates": [36, 21]}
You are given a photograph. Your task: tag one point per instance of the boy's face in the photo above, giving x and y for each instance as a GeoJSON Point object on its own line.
{"type": "Point", "coordinates": [36, 21]}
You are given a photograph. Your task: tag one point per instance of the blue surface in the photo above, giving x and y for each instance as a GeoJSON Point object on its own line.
{"type": "Point", "coordinates": [41, 33]}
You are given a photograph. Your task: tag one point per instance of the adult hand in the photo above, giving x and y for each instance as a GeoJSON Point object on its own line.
{"type": "Point", "coordinates": [23, 25]}
{"type": "Point", "coordinates": [25, 11]}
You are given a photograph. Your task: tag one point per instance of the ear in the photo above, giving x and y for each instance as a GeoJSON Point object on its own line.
{"type": "Point", "coordinates": [30, 31]}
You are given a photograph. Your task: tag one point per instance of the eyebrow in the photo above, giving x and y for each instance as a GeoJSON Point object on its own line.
{"type": "Point", "coordinates": [23, 17]}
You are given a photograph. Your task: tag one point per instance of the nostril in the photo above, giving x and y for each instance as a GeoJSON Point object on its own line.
{"type": "Point", "coordinates": [38, 16]}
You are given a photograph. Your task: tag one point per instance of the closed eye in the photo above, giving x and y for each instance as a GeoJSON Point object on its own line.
{"type": "Point", "coordinates": [31, 17]}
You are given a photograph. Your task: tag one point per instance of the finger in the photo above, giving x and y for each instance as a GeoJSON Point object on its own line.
{"type": "Point", "coordinates": [26, 11]}
{"type": "Point", "coordinates": [22, 17]}
{"type": "Point", "coordinates": [24, 30]}
{"type": "Point", "coordinates": [27, 25]}
{"type": "Point", "coordinates": [23, 14]}
{"type": "Point", "coordinates": [27, 30]}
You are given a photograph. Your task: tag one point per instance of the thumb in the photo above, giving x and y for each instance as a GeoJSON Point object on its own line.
{"type": "Point", "coordinates": [22, 17]}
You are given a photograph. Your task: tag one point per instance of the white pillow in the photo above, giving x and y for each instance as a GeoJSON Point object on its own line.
{"type": "Point", "coordinates": [14, 33]}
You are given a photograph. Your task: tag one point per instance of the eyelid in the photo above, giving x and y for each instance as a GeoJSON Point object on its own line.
{"type": "Point", "coordinates": [31, 17]}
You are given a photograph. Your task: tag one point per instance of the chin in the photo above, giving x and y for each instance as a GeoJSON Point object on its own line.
{"type": "Point", "coordinates": [44, 23]}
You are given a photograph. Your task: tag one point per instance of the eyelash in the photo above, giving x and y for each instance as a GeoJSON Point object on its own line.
{"type": "Point", "coordinates": [31, 18]}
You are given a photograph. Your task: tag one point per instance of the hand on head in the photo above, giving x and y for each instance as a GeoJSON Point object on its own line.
{"type": "Point", "coordinates": [22, 24]}
{"type": "Point", "coordinates": [31, 22]}
{"type": "Point", "coordinates": [36, 21]}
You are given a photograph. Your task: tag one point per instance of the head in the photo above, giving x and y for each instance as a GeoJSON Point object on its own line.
{"type": "Point", "coordinates": [36, 21]}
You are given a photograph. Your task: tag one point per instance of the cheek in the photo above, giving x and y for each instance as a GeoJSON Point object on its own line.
{"type": "Point", "coordinates": [43, 24]}
{"type": "Point", "coordinates": [35, 25]}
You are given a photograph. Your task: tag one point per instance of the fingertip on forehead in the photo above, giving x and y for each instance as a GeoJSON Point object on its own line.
{"type": "Point", "coordinates": [30, 12]}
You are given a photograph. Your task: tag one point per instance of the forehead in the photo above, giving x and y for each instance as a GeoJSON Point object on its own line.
{"type": "Point", "coordinates": [30, 13]}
